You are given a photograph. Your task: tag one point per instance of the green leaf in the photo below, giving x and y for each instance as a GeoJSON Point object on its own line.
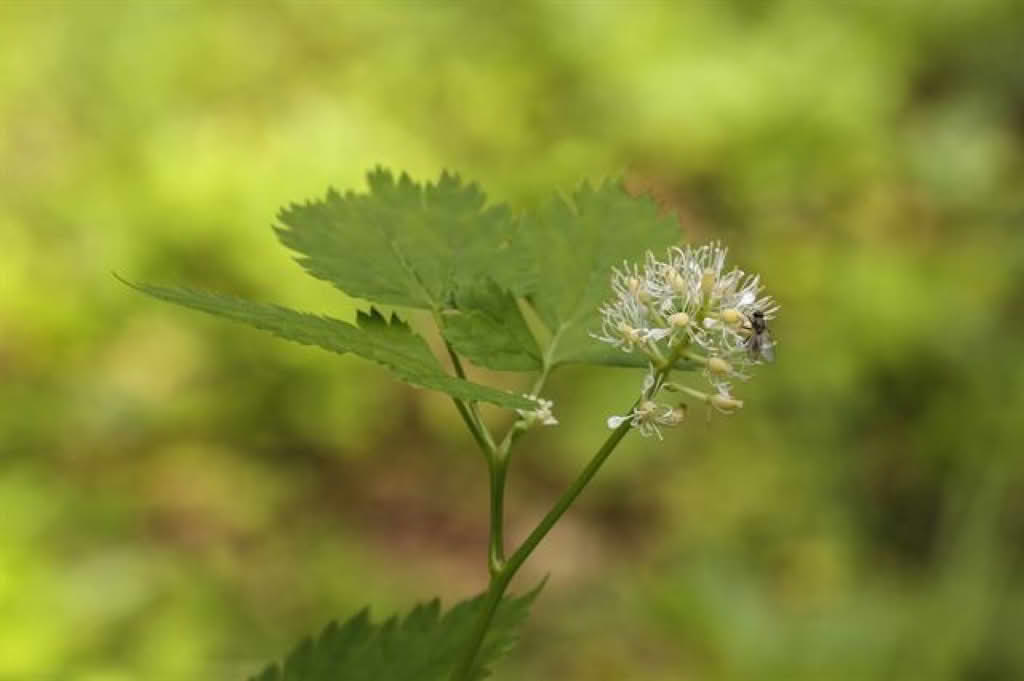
{"type": "Point", "coordinates": [392, 344]}
{"type": "Point", "coordinates": [575, 243]}
{"type": "Point", "coordinates": [423, 646]}
{"type": "Point", "coordinates": [407, 244]}
{"type": "Point", "coordinates": [487, 326]}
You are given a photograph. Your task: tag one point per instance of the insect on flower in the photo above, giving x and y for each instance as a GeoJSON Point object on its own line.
{"type": "Point", "coordinates": [690, 306]}
{"type": "Point", "coordinates": [760, 344]}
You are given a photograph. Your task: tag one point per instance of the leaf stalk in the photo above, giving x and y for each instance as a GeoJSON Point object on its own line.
{"type": "Point", "coordinates": [469, 411]}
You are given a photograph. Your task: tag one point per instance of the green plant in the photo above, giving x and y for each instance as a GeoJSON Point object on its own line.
{"type": "Point", "coordinates": [525, 292]}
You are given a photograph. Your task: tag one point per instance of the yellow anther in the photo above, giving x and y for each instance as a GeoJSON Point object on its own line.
{"type": "Point", "coordinates": [679, 320]}
{"type": "Point", "coordinates": [707, 282]}
{"type": "Point", "coordinates": [677, 282]}
{"type": "Point", "coordinates": [732, 316]}
{"type": "Point", "coordinates": [717, 365]}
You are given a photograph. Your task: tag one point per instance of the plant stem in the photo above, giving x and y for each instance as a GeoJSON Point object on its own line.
{"type": "Point", "coordinates": [502, 574]}
{"type": "Point", "coordinates": [496, 549]}
{"type": "Point", "coordinates": [543, 377]}
{"type": "Point", "coordinates": [485, 434]}
{"type": "Point", "coordinates": [498, 465]}
{"type": "Point", "coordinates": [473, 427]}
{"type": "Point", "coordinates": [517, 559]}
{"type": "Point", "coordinates": [501, 578]}
{"type": "Point", "coordinates": [467, 410]}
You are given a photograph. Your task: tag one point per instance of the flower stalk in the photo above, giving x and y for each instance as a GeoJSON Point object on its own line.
{"type": "Point", "coordinates": [501, 578]}
{"type": "Point", "coordinates": [502, 573]}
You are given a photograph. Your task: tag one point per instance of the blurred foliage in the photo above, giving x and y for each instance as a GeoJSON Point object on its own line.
{"type": "Point", "coordinates": [183, 498]}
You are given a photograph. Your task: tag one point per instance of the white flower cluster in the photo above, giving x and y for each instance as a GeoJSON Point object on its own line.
{"type": "Point", "coordinates": [688, 307]}
{"type": "Point", "coordinates": [541, 415]}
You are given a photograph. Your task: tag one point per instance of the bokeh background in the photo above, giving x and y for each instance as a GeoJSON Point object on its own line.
{"type": "Point", "coordinates": [182, 498]}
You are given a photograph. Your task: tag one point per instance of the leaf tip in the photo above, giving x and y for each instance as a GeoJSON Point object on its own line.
{"type": "Point", "coordinates": [121, 279]}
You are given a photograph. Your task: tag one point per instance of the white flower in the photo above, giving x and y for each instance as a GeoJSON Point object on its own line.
{"type": "Point", "coordinates": [648, 415]}
{"type": "Point", "coordinates": [542, 414]}
{"type": "Point", "coordinates": [688, 306]}
{"type": "Point", "coordinates": [723, 401]}
{"type": "Point", "coordinates": [733, 299]}
{"type": "Point", "coordinates": [688, 298]}
{"type": "Point", "coordinates": [719, 371]}
{"type": "Point", "coordinates": [630, 320]}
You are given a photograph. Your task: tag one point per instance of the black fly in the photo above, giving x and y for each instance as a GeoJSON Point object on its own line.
{"type": "Point", "coordinates": [760, 344]}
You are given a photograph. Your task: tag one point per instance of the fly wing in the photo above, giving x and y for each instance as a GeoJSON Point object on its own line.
{"type": "Point", "coordinates": [767, 346]}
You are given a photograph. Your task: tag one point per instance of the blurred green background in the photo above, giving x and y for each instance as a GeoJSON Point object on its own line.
{"type": "Point", "coordinates": [182, 498]}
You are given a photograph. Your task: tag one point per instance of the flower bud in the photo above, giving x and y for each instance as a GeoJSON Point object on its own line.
{"type": "Point", "coordinates": [732, 316]}
{"type": "Point", "coordinates": [707, 282]}
{"type": "Point", "coordinates": [616, 421]}
{"type": "Point", "coordinates": [677, 282]}
{"type": "Point", "coordinates": [679, 320]}
{"type": "Point", "coordinates": [717, 365]}
{"type": "Point", "coordinates": [674, 416]}
{"type": "Point", "coordinates": [628, 333]}
{"type": "Point", "coordinates": [646, 407]}
{"type": "Point", "coordinates": [725, 403]}
{"type": "Point", "coordinates": [542, 414]}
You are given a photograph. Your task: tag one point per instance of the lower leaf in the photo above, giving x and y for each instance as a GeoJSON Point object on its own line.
{"type": "Point", "coordinates": [425, 645]}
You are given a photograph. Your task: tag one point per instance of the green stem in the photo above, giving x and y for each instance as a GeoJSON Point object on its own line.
{"type": "Point", "coordinates": [545, 370]}
{"type": "Point", "coordinates": [501, 574]}
{"type": "Point", "coordinates": [482, 432]}
{"type": "Point", "coordinates": [495, 590]}
{"type": "Point", "coordinates": [474, 428]}
{"type": "Point", "coordinates": [498, 464]}
{"type": "Point", "coordinates": [501, 579]}
{"type": "Point", "coordinates": [517, 559]}
{"type": "Point", "coordinates": [467, 410]}
{"type": "Point", "coordinates": [496, 549]}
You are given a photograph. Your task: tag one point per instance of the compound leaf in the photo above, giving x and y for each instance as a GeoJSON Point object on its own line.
{"type": "Point", "coordinates": [425, 645]}
{"type": "Point", "coordinates": [392, 344]}
{"type": "Point", "coordinates": [487, 326]}
{"type": "Point", "coordinates": [575, 242]}
{"type": "Point", "coordinates": [407, 244]}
